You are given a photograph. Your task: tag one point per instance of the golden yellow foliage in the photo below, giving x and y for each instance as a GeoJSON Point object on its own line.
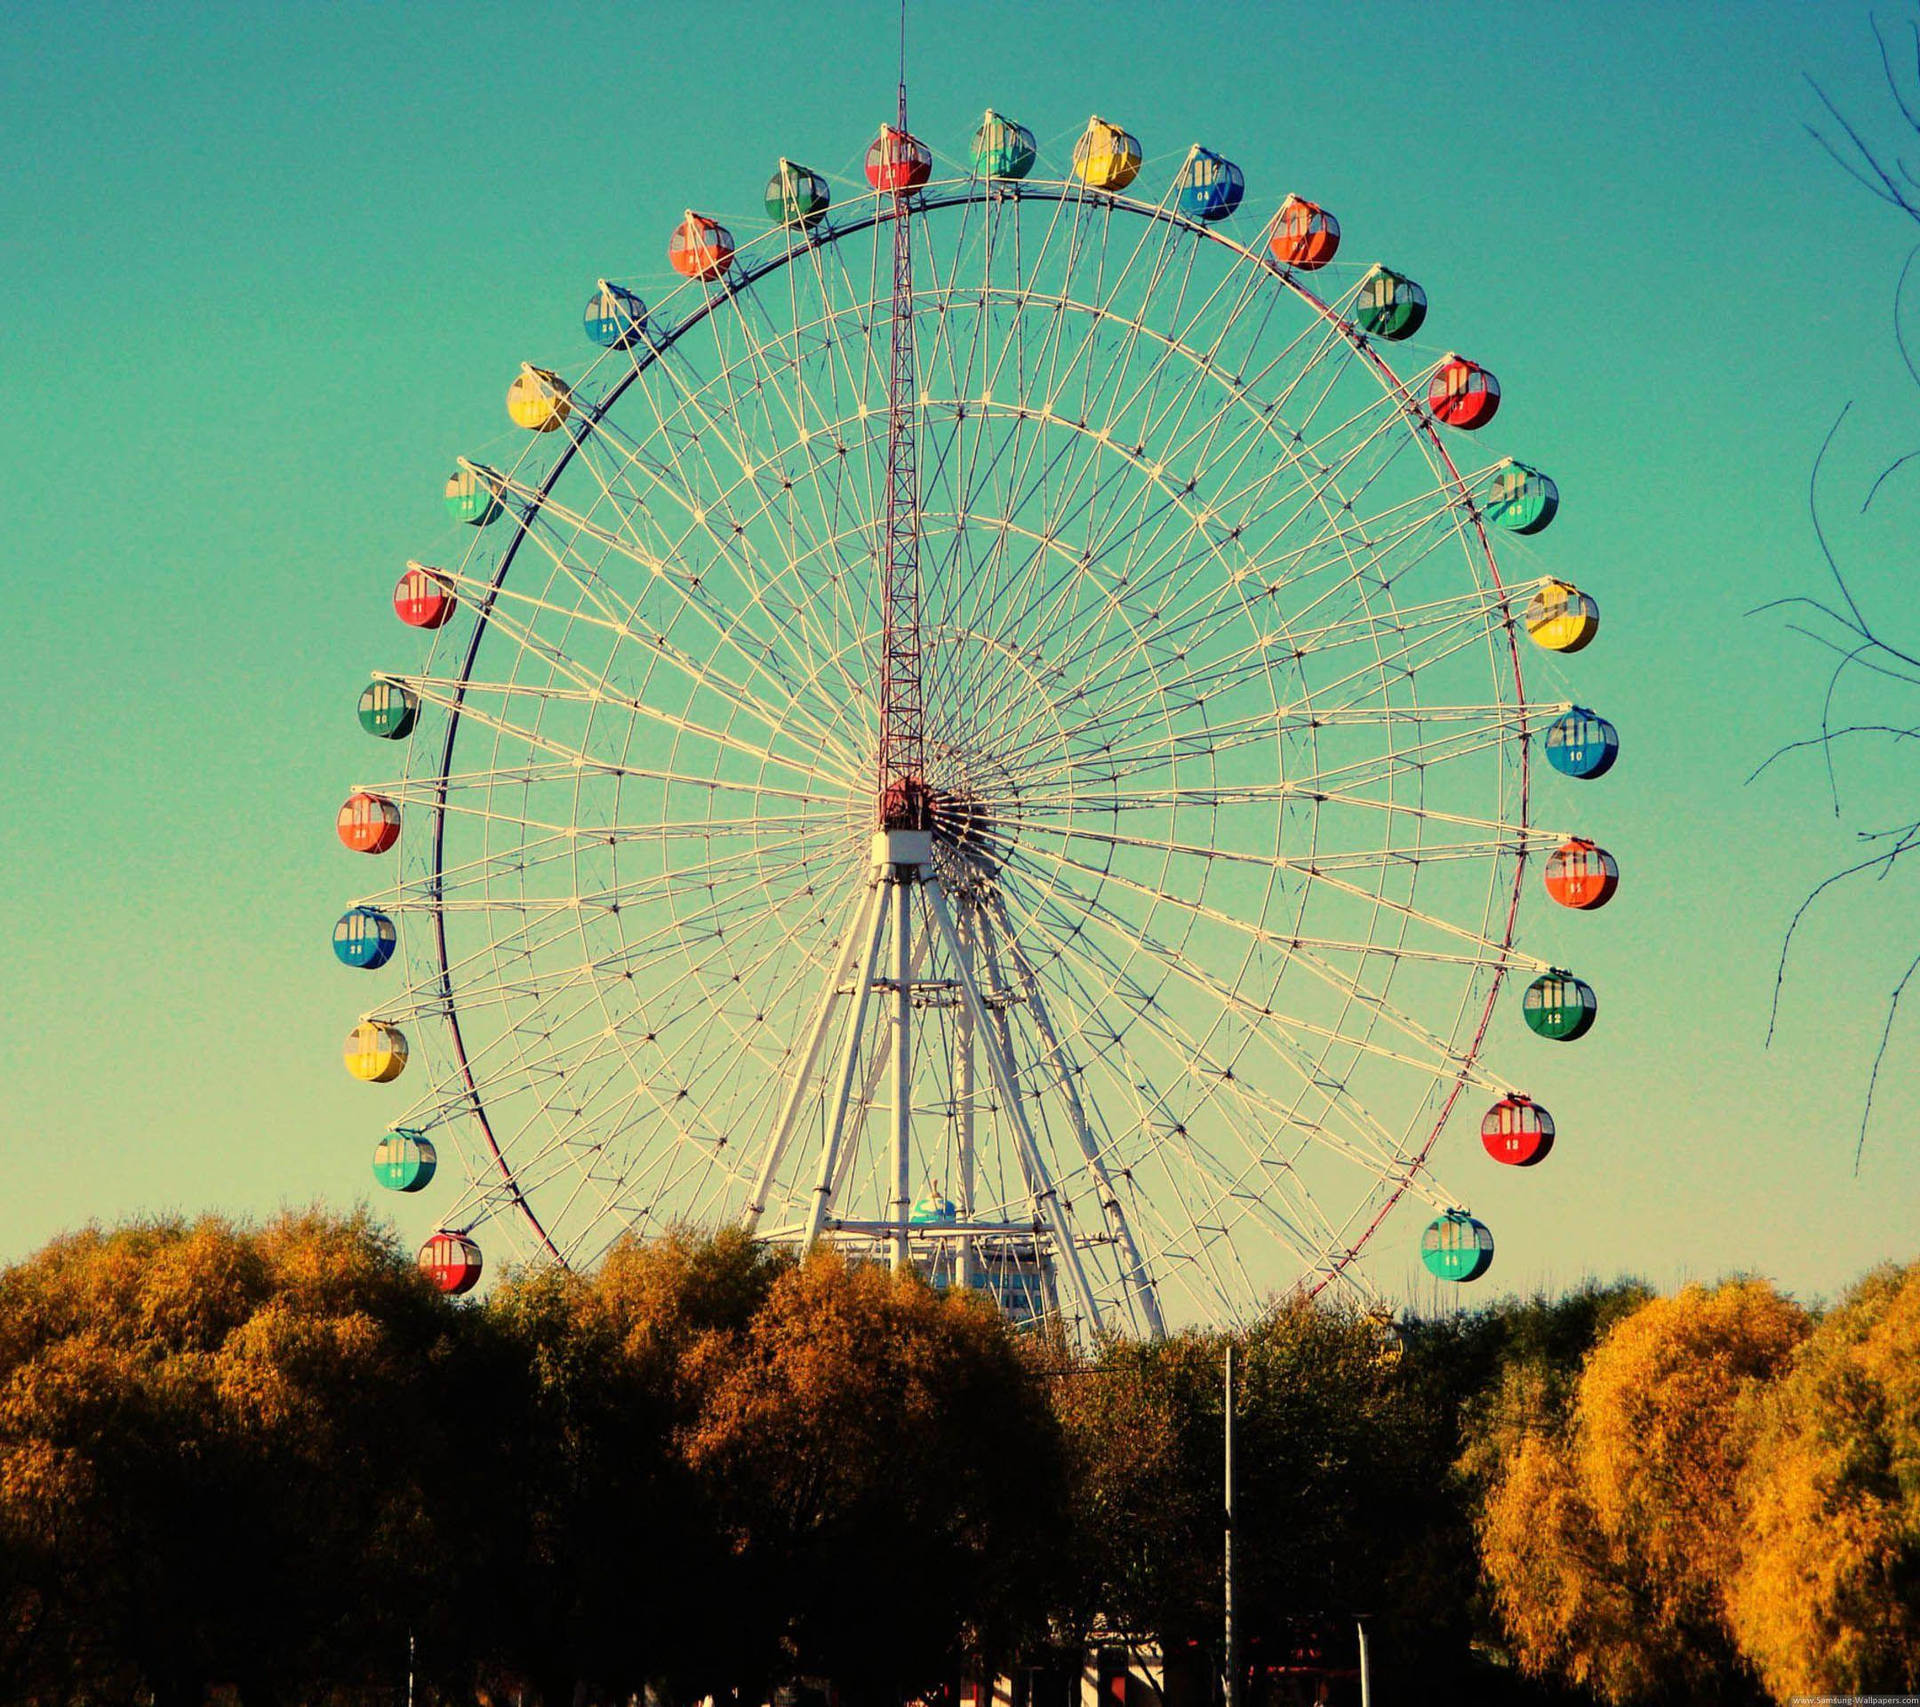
{"type": "Point", "coordinates": [1826, 1598]}
{"type": "Point", "coordinates": [1610, 1530]}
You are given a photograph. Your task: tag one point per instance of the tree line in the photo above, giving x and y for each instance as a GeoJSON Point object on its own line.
{"type": "Point", "coordinates": [271, 1463]}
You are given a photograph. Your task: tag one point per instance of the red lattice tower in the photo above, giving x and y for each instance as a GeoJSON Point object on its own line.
{"type": "Point", "coordinates": [904, 800]}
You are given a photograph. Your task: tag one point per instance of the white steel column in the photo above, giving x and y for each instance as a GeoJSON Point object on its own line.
{"type": "Point", "coordinates": [1046, 1197]}
{"type": "Point", "coordinates": [904, 880]}
{"type": "Point", "coordinates": [963, 1094]}
{"type": "Point", "coordinates": [849, 1056]}
{"type": "Point", "coordinates": [809, 1059]}
{"type": "Point", "coordinates": [1145, 1298]}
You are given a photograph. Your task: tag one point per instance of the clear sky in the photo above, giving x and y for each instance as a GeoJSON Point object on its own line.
{"type": "Point", "coordinates": [268, 269]}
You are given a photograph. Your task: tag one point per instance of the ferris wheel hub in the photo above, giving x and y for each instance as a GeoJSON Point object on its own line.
{"type": "Point", "coordinates": [910, 848]}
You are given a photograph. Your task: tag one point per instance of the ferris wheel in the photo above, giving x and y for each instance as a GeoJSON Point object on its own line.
{"type": "Point", "coordinates": [984, 727]}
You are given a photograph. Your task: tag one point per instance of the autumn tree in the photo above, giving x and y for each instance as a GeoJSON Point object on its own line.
{"type": "Point", "coordinates": [888, 1475]}
{"type": "Point", "coordinates": [1826, 1595]}
{"type": "Point", "coordinates": [211, 1445]}
{"type": "Point", "coordinates": [1611, 1525]}
{"type": "Point", "coordinates": [608, 1567]}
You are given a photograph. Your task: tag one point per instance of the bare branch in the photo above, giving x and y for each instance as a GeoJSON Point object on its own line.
{"type": "Point", "coordinates": [1819, 532]}
{"type": "Point", "coordinates": [1893, 82]}
{"type": "Point", "coordinates": [1880, 1055]}
{"type": "Point", "coordinates": [1892, 468]}
{"type": "Point", "coordinates": [1881, 183]}
{"type": "Point", "coordinates": [1894, 730]}
{"type": "Point", "coordinates": [1800, 913]}
{"type": "Point", "coordinates": [1899, 331]}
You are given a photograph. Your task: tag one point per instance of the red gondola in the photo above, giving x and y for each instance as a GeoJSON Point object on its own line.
{"type": "Point", "coordinates": [368, 823]}
{"type": "Point", "coordinates": [452, 1262]}
{"type": "Point", "coordinates": [700, 248]}
{"type": "Point", "coordinates": [1463, 394]}
{"type": "Point", "coordinates": [424, 598]}
{"type": "Point", "coordinates": [1517, 1131]}
{"type": "Point", "coordinates": [898, 161]}
{"type": "Point", "coordinates": [1582, 875]}
{"type": "Point", "coordinates": [1304, 235]}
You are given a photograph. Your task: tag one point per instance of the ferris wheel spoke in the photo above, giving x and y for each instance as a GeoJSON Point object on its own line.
{"type": "Point", "coordinates": [1369, 1146]}
{"type": "Point", "coordinates": [1312, 952]}
{"type": "Point", "coordinates": [765, 371]}
{"type": "Point", "coordinates": [1461, 727]}
{"type": "Point", "coordinates": [1169, 1127]}
{"type": "Point", "coordinates": [1413, 760]}
{"type": "Point", "coordinates": [486, 984]}
{"type": "Point", "coordinates": [759, 653]}
{"type": "Point", "coordinates": [448, 889]}
{"type": "Point", "coordinates": [472, 707]}
{"type": "Point", "coordinates": [1462, 622]}
{"type": "Point", "coordinates": [1492, 953]}
{"type": "Point", "coordinates": [620, 625]}
{"type": "Point", "coordinates": [1446, 1062]}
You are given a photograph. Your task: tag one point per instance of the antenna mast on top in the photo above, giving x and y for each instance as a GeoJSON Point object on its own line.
{"type": "Point", "coordinates": [905, 801]}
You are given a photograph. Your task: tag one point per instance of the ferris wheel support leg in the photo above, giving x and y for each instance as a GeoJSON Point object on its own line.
{"type": "Point", "coordinates": [803, 1071]}
{"type": "Point", "coordinates": [964, 1095]}
{"type": "Point", "coordinates": [1046, 1197]}
{"type": "Point", "coordinates": [1146, 1299]}
{"type": "Point", "coordinates": [849, 1056]}
{"type": "Point", "coordinates": [904, 881]}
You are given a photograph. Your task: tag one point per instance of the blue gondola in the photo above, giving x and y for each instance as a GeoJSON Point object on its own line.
{"type": "Point", "coordinates": [1207, 186]}
{"type": "Point", "coordinates": [365, 938]}
{"type": "Point", "coordinates": [1582, 744]}
{"type": "Point", "coordinates": [615, 319]}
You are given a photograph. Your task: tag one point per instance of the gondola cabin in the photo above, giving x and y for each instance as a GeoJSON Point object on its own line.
{"type": "Point", "coordinates": [1304, 235]}
{"type": "Point", "coordinates": [1517, 1131]}
{"type": "Point", "coordinates": [1208, 187]}
{"type": "Point", "coordinates": [404, 1161]}
{"type": "Point", "coordinates": [368, 823]}
{"type": "Point", "coordinates": [388, 710]}
{"type": "Point", "coordinates": [700, 248]}
{"type": "Point", "coordinates": [1002, 149]}
{"type": "Point", "coordinates": [933, 1210]}
{"type": "Point", "coordinates": [1457, 1247]}
{"type": "Point", "coordinates": [1522, 499]}
{"type": "Point", "coordinates": [1582, 744]}
{"type": "Point", "coordinates": [424, 598]}
{"type": "Point", "coordinates": [1559, 1007]}
{"type": "Point", "coordinates": [471, 498]}
{"type": "Point", "coordinates": [1462, 394]}
{"type": "Point", "coordinates": [1106, 157]}
{"type": "Point", "coordinates": [797, 196]}
{"type": "Point", "coordinates": [376, 1052]}
{"type": "Point", "coordinates": [898, 161]}
{"type": "Point", "coordinates": [1390, 305]}
{"type": "Point", "coordinates": [1581, 875]}
{"type": "Point", "coordinates": [452, 1262]}
{"type": "Point", "coordinates": [615, 319]}
{"type": "Point", "coordinates": [364, 938]}
{"type": "Point", "coordinates": [1561, 618]}
{"type": "Point", "coordinates": [538, 400]}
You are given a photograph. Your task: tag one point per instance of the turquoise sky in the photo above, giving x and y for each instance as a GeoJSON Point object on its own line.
{"type": "Point", "coordinates": [268, 269]}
